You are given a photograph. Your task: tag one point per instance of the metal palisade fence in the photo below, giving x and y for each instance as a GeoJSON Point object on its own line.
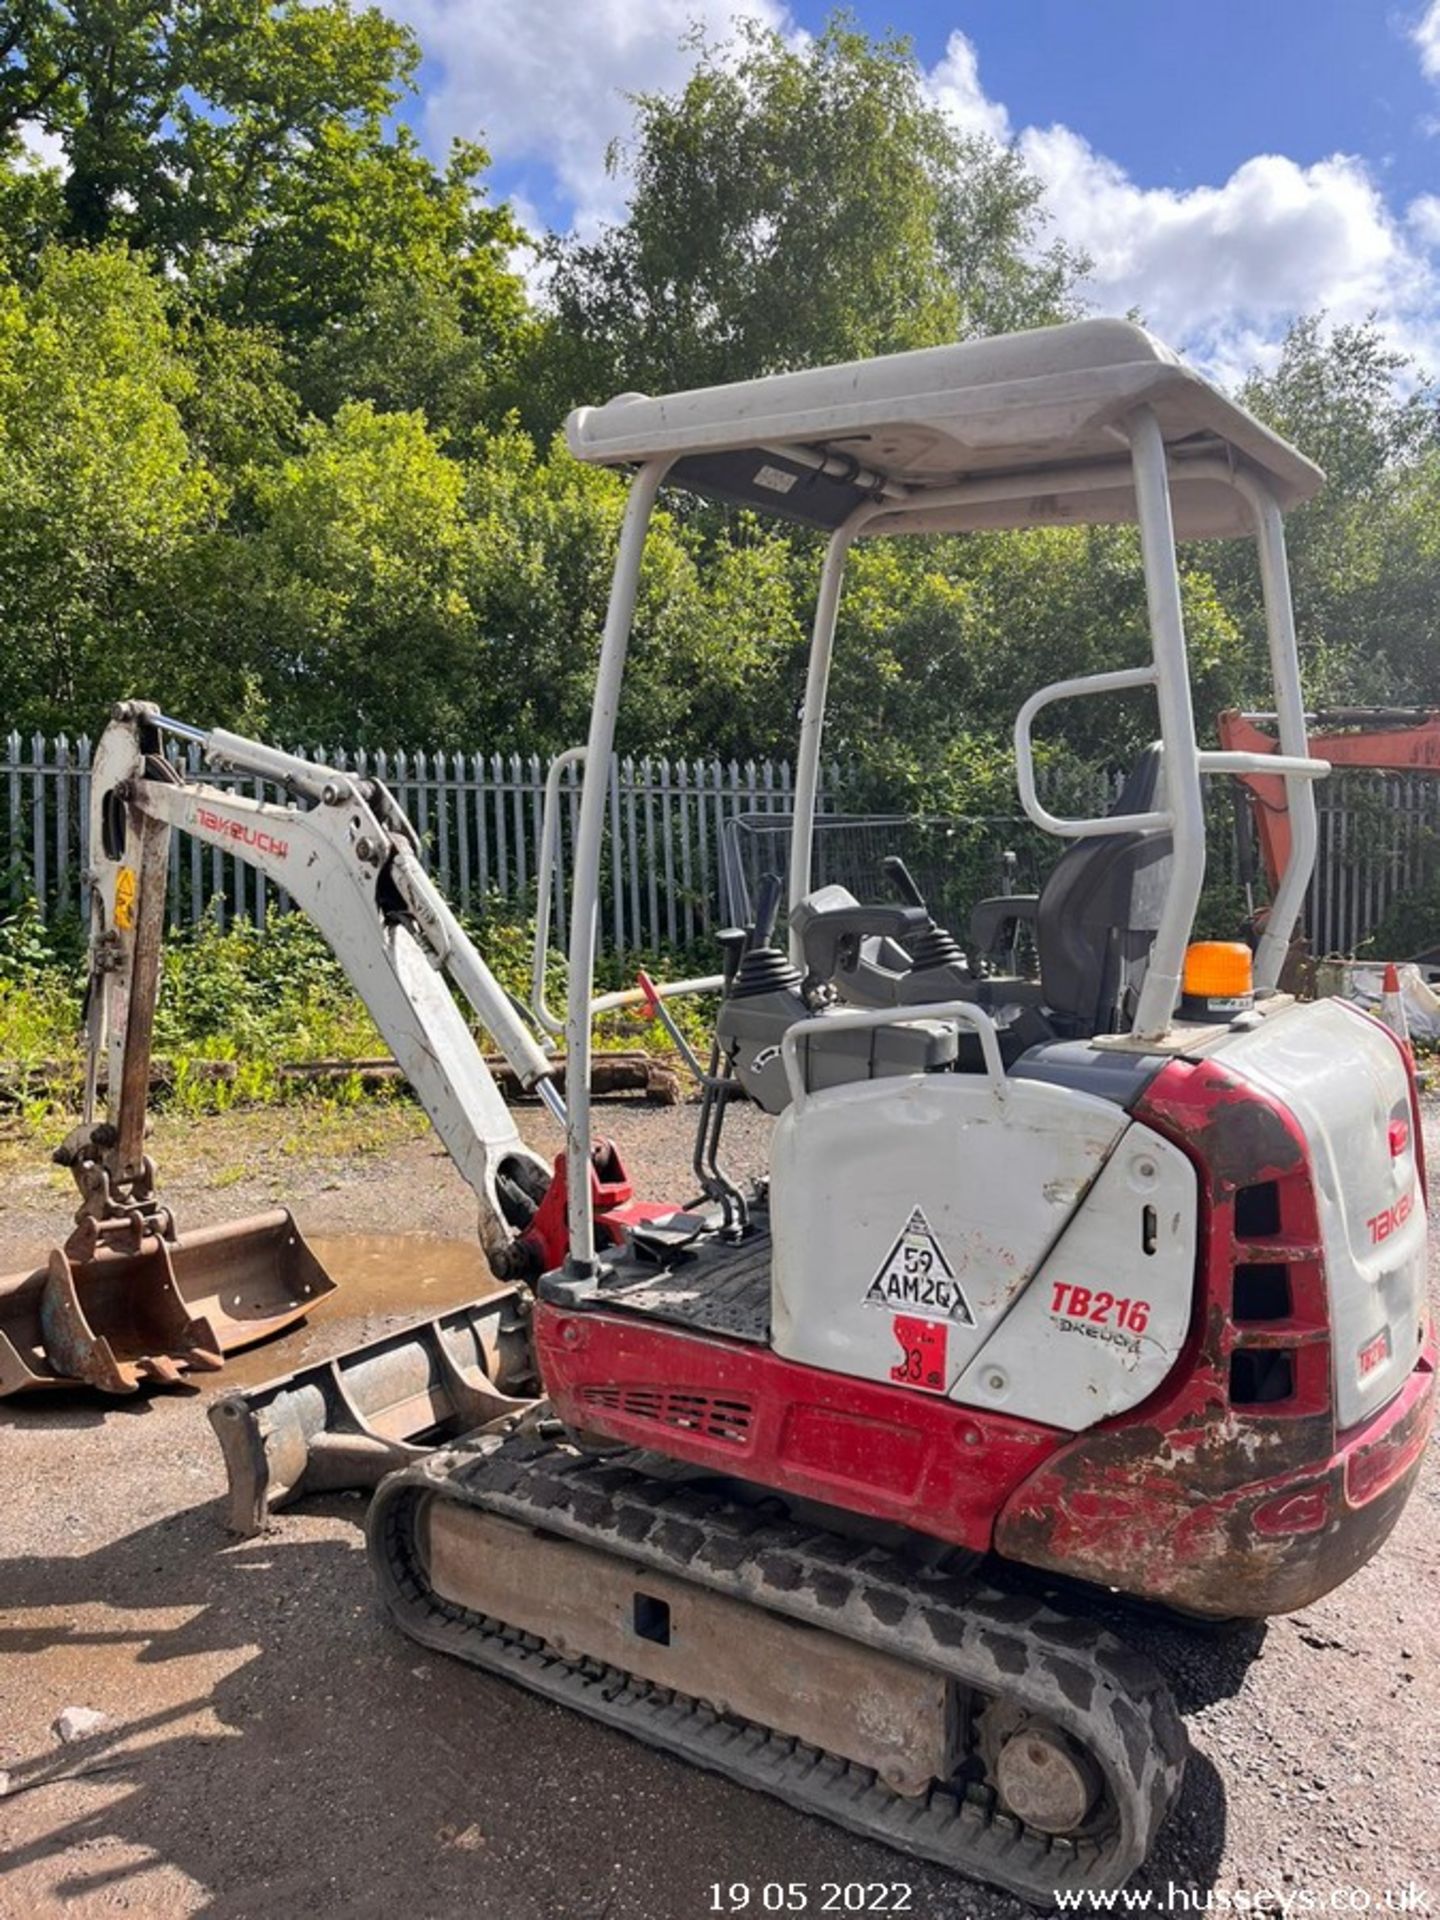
{"type": "Point", "coordinates": [678, 830]}
{"type": "Point", "coordinates": [479, 817]}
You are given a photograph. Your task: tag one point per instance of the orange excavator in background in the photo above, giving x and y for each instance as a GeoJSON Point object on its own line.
{"type": "Point", "coordinates": [1377, 739]}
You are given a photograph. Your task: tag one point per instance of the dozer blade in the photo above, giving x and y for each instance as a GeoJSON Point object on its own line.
{"type": "Point", "coordinates": [348, 1421]}
{"type": "Point", "coordinates": [173, 1307]}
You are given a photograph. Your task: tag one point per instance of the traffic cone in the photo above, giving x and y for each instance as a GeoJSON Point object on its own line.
{"type": "Point", "coordinates": [1392, 1005]}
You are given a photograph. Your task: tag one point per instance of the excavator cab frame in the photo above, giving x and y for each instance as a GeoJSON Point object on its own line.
{"type": "Point", "coordinates": [1089, 422]}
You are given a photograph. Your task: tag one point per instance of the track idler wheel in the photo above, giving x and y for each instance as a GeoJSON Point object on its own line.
{"type": "Point", "coordinates": [1042, 1774]}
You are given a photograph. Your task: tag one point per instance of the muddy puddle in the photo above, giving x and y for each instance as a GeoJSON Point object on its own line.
{"type": "Point", "coordinates": [381, 1282]}
{"type": "Point", "coordinates": [387, 1278]}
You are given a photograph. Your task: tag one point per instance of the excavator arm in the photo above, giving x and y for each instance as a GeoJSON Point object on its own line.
{"type": "Point", "coordinates": [1382, 739]}
{"type": "Point", "coordinates": [344, 852]}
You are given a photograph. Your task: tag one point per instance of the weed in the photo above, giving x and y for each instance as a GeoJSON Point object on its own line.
{"type": "Point", "coordinates": [239, 1004]}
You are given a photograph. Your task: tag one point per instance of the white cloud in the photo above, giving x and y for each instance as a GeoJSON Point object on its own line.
{"type": "Point", "coordinates": [1223, 269]}
{"type": "Point", "coordinates": [1423, 218]}
{"type": "Point", "coordinates": [548, 83]}
{"type": "Point", "coordinates": [1219, 270]}
{"type": "Point", "coordinates": [1426, 35]}
{"type": "Point", "coordinates": [45, 149]}
{"type": "Point", "coordinates": [955, 85]}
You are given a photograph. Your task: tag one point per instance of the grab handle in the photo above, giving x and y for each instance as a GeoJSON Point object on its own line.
{"type": "Point", "coordinates": [1119, 682]}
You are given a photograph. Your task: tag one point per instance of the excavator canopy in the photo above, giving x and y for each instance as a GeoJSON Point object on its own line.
{"type": "Point", "coordinates": [1028, 408]}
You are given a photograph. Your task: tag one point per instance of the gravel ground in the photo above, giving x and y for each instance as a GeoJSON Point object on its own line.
{"type": "Point", "coordinates": [271, 1747]}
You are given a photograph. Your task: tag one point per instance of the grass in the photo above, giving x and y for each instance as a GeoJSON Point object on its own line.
{"type": "Point", "coordinates": [256, 1000]}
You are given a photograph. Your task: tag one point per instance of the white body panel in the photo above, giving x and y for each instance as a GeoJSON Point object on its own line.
{"type": "Point", "coordinates": [1343, 1080]}
{"type": "Point", "coordinates": [910, 1215]}
{"type": "Point", "coordinates": [1104, 1319]}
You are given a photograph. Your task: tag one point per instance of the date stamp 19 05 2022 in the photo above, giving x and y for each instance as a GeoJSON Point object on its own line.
{"type": "Point", "coordinates": [807, 1896]}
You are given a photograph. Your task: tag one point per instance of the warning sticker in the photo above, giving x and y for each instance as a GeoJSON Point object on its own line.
{"type": "Point", "coordinates": [923, 1345]}
{"type": "Point", "coordinates": [915, 1273]}
{"type": "Point", "coordinates": [125, 899]}
{"type": "Point", "coordinates": [774, 479]}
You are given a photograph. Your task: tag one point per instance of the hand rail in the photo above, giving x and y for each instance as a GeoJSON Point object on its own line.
{"type": "Point", "coordinates": [545, 886]}
{"type": "Point", "coordinates": [858, 1018]}
{"type": "Point", "coordinates": [1298, 767]}
{"type": "Point", "coordinates": [1120, 681]}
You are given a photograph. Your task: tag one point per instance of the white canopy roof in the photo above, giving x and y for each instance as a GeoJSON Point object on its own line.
{"type": "Point", "coordinates": [811, 446]}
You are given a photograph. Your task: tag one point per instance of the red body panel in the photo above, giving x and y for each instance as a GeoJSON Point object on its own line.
{"type": "Point", "coordinates": [740, 1409]}
{"type": "Point", "coordinates": [613, 1204]}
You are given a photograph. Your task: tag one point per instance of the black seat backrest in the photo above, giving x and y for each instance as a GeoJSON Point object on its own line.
{"type": "Point", "coordinates": [1098, 911]}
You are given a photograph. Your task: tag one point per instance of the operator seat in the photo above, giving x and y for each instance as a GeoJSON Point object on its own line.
{"type": "Point", "coordinates": [1095, 918]}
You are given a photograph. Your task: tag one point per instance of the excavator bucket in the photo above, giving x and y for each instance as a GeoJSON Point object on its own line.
{"type": "Point", "coordinates": [123, 1316]}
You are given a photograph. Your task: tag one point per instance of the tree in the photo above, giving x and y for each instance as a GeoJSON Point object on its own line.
{"type": "Point", "coordinates": [342, 614]}
{"type": "Point", "coordinates": [1363, 552]}
{"type": "Point", "coordinates": [716, 628]}
{"type": "Point", "coordinates": [249, 147]}
{"type": "Point", "coordinates": [98, 485]}
{"type": "Point", "coordinates": [792, 206]}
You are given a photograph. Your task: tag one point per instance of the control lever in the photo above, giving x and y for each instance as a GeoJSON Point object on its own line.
{"type": "Point", "coordinates": [732, 942]}
{"type": "Point", "coordinates": [767, 908]}
{"type": "Point", "coordinates": [902, 880]}
{"type": "Point", "coordinates": [716, 1089]}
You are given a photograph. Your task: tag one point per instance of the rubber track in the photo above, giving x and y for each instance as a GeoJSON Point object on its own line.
{"type": "Point", "coordinates": [1006, 1645]}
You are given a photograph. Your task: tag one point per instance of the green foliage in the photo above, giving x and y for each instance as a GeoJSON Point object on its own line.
{"type": "Point", "coordinates": [1364, 553]}
{"type": "Point", "coordinates": [258, 999]}
{"type": "Point", "coordinates": [353, 585]}
{"type": "Point", "coordinates": [1411, 924]}
{"type": "Point", "coordinates": [278, 419]}
{"type": "Point", "coordinates": [794, 205]}
{"type": "Point", "coordinates": [98, 483]}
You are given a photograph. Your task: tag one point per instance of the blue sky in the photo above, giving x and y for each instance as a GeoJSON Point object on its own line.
{"type": "Point", "coordinates": [1226, 165]}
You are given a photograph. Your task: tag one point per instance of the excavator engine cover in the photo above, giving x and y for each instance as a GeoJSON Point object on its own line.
{"type": "Point", "coordinates": [156, 1312]}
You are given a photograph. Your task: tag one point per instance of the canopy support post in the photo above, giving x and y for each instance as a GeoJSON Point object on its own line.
{"type": "Point", "coordinates": [1183, 800]}
{"type": "Point", "coordinates": [589, 838]}
{"type": "Point", "coordinates": [812, 714]}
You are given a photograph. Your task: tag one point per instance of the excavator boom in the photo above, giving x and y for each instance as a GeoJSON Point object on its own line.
{"type": "Point", "coordinates": [129, 1298]}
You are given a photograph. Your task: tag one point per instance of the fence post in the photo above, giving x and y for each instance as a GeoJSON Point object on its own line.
{"type": "Point", "coordinates": [82, 807]}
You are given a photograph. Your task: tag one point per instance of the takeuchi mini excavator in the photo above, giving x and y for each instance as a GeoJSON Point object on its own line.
{"type": "Point", "coordinates": [1116, 1274]}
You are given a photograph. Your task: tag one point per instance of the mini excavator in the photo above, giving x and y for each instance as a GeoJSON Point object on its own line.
{"type": "Point", "coordinates": [1116, 1274]}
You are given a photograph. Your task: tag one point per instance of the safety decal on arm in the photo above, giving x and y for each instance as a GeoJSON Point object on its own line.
{"type": "Point", "coordinates": [916, 1273]}
{"type": "Point", "coordinates": [125, 899]}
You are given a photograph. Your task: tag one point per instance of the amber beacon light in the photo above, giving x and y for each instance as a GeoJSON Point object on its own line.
{"type": "Point", "coordinates": [1219, 980]}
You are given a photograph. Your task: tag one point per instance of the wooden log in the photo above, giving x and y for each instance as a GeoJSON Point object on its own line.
{"type": "Point", "coordinates": [610, 1073]}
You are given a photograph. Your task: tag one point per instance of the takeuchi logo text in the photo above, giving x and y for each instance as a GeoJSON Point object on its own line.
{"type": "Point", "coordinates": [238, 830]}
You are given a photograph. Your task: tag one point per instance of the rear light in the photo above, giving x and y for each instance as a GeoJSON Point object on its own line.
{"type": "Point", "coordinates": [1399, 1137]}
{"type": "Point", "coordinates": [1417, 1135]}
{"type": "Point", "coordinates": [1263, 1315]}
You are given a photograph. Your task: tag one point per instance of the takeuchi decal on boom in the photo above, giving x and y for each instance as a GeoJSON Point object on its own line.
{"type": "Point", "coordinates": [211, 822]}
